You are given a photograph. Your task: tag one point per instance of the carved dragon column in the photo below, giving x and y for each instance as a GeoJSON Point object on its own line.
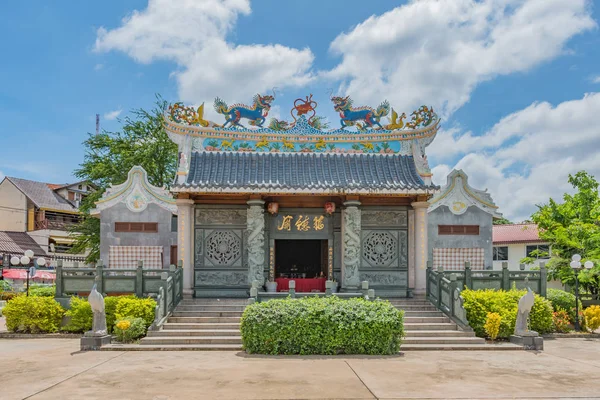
{"type": "Point", "coordinates": [185, 219]}
{"type": "Point", "coordinates": [420, 230]}
{"type": "Point", "coordinates": [255, 225]}
{"type": "Point", "coordinates": [350, 246]}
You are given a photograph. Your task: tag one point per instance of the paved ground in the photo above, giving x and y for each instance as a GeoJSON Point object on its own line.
{"type": "Point", "coordinates": [2, 324]}
{"type": "Point", "coordinates": [55, 369]}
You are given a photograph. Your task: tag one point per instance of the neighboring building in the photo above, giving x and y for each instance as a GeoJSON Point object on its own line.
{"type": "Point", "coordinates": [44, 211]}
{"type": "Point", "coordinates": [513, 242]}
{"type": "Point", "coordinates": [295, 200]}
{"type": "Point", "coordinates": [138, 221]}
{"type": "Point", "coordinates": [460, 225]}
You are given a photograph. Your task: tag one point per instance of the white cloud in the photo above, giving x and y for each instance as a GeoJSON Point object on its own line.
{"type": "Point", "coordinates": [595, 79]}
{"type": "Point", "coordinates": [437, 52]}
{"type": "Point", "coordinates": [113, 114]}
{"type": "Point", "coordinates": [526, 157]}
{"type": "Point", "coordinates": [98, 67]}
{"type": "Point", "coordinates": [192, 34]}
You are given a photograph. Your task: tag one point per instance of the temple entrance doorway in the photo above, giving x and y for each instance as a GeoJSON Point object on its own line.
{"type": "Point", "coordinates": [304, 261]}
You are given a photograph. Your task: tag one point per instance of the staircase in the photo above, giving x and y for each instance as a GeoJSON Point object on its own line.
{"type": "Point", "coordinates": [214, 324]}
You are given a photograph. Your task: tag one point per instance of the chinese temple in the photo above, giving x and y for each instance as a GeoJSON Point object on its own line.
{"type": "Point", "coordinates": [272, 200]}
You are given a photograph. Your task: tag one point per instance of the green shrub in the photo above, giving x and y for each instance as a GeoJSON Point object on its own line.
{"type": "Point", "coordinates": [42, 290]}
{"type": "Point", "coordinates": [478, 303]}
{"type": "Point", "coordinates": [322, 325]}
{"type": "Point", "coordinates": [5, 286]}
{"type": "Point", "coordinates": [80, 314]}
{"type": "Point", "coordinates": [30, 314]}
{"type": "Point", "coordinates": [562, 323]}
{"type": "Point", "coordinates": [562, 300]}
{"type": "Point", "coordinates": [129, 329]}
{"type": "Point", "coordinates": [110, 308]}
{"type": "Point", "coordinates": [132, 307]}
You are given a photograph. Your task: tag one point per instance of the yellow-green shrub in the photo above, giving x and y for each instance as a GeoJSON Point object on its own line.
{"type": "Point", "coordinates": [129, 329]}
{"type": "Point", "coordinates": [592, 317]}
{"type": "Point", "coordinates": [32, 314]}
{"type": "Point", "coordinates": [478, 303]}
{"type": "Point", "coordinates": [492, 325]}
{"type": "Point", "coordinates": [132, 307]}
{"type": "Point", "coordinates": [80, 315]}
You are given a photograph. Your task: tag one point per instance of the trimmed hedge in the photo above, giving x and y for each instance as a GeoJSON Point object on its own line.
{"type": "Point", "coordinates": [322, 325]}
{"type": "Point", "coordinates": [115, 307]}
{"type": "Point", "coordinates": [478, 303]}
{"type": "Point", "coordinates": [33, 314]}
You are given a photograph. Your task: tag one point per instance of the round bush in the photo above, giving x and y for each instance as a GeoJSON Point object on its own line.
{"type": "Point", "coordinates": [129, 329]}
{"type": "Point", "coordinates": [322, 325]}
{"type": "Point", "coordinates": [562, 300]}
{"type": "Point", "coordinates": [30, 314]}
{"type": "Point", "coordinates": [80, 315]}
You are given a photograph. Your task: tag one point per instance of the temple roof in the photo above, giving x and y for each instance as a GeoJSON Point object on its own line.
{"type": "Point", "coordinates": [249, 172]}
{"type": "Point", "coordinates": [458, 196]}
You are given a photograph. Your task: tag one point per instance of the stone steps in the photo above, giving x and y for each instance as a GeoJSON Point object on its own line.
{"type": "Point", "coordinates": [201, 326]}
{"type": "Point", "coordinates": [442, 340]}
{"type": "Point", "coordinates": [172, 347]}
{"type": "Point", "coordinates": [195, 320]}
{"type": "Point", "coordinates": [218, 340]}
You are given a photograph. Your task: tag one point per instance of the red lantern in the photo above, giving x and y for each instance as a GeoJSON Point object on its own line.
{"type": "Point", "coordinates": [273, 208]}
{"type": "Point", "coordinates": [329, 207]}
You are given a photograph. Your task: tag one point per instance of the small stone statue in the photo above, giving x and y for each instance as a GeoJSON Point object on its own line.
{"type": "Point", "coordinates": [99, 322]}
{"type": "Point", "coordinates": [525, 305]}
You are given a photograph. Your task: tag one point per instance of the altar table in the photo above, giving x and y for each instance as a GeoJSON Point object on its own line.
{"type": "Point", "coordinates": [302, 284]}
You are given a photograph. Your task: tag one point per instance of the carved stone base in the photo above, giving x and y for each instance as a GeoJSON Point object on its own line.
{"type": "Point", "coordinates": [528, 342]}
{"type": "Point", "coordinates": [94, 342]}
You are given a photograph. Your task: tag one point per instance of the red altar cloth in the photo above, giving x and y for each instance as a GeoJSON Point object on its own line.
{"type": "Point", "coordinates": [302, 284]}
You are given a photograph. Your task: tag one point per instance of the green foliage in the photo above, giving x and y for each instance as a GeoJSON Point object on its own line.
{"type": "Point", "coordinates": [562, 300]}
{"type": "Point", "coordinates": [42, 290]}
{"type": "Point", "coordinates": [573, 227]}
{"type": "Point", "coordinates": [478, 303]}
{"type": "Point", "coordinates": [129, 329]}
{"type": "Point", "coordinates": [30, 314]}
{"type": "Point", "coordinates": [80, 315]}
{"type": "Point", "coordinates": [501, 221]}
{"type": "Point", "coordinates": [132, 307]}
{"type": "Point", "coordinates": [5, 286]}
{"type": "Point", "coordinates": [561, 321]}
{"type": "Point", "coordinates": [109, 157]}
{"type": "Point", "coordinates": [492, 325]}
{"type": "Point", "coordinates": [322, 325]}
{"type": "Point", "coordinates": [592, 317]}
{"type": "Point", "coordinates": [110, 308]}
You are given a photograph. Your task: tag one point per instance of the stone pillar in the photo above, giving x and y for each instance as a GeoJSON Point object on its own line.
{"type": "Point", "coordinates": [411, 252]}
{"type": "Point", "coordinates": [255, 225]}
{"type": "Point", "coordinates": [185, 219]}
{"type": "Point", "coordinates": [420, 244]}
{"type": "Point", "coordinates": [351, 246]}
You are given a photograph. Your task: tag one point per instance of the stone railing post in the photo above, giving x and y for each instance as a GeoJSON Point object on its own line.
{"type": "Point", "coordinates": [139, 279]}
{"type": "Point", "coordinates": [452, 287]}
{"type": "Point", "coordinates": [427, 277]}
{"type": "Point", "coordinates": [468, 275]}
{"type": "Point", "coordinates": [292, 289]}
{"type": "Point", "coordinates": [163, 280]}
{"type": "Point", "coordinates": [365, 287]}
{"type": "Point", "coordinates": [371, 294]}
{"type": "Point", "coordinates": [328, 288]}
{"type": "Point", "coordinates": [99, 277]}
{"type": "Point", "coordinates": [181, 279]}
{"type": "Point", "coordinates": [253, 292]}
{"type": "Point", "coordinates": [543, 279]}
{"type": "Point", "coordinates": [505, 277]}
{"type": "Point", "coordinates": [439, 277]}
{"type": "Point", "coordinates": [59, 279]}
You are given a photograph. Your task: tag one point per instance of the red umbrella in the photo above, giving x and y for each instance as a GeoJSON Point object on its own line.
{"type": "Point", "coordinates": [22, 274]}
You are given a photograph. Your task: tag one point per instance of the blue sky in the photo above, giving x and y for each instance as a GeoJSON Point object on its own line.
{"type": "Point", "coordinates": [516, 81]}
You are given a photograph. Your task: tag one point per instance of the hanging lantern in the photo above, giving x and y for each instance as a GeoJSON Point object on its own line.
{"type": "Point", "coordinates": [329, 207]}
{"type": "Point", "coordinates": [273, 208]}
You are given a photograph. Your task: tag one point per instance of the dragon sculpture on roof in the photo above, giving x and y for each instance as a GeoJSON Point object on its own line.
{"type": "Point", "coordinates": [352, 116]}
{"type": "Point", "coordinates": [256, 114]}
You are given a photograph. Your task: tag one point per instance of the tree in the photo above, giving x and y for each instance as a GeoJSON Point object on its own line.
{"type": "Point", "coordinates": [501, 221]}
{"type": "Point", "coordinates": [573, 227]}
{"type": "Point", "coordinates": [110, 155]}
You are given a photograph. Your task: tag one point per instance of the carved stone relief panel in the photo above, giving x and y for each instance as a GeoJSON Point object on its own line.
{"type": "Point", "coordinates": [385, 278]}
{"type": "Point", "coordinates": [384, 218]}
{"type": "Point", "coordinates": [403, 245]}
{"type": "Point", "coordinates": [221, 278]}
{"type": "Point", "coordinates": [198, 247]}
{"type": "Point", "coordinates": [380, 248]}
{"type": "Point", "coordinates": [223, 248]}
{"type": "Point", "coordinates": [209, 216]}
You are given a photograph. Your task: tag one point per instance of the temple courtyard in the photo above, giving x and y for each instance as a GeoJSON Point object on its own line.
{"type": "Point", "coordinates": [56, 369]}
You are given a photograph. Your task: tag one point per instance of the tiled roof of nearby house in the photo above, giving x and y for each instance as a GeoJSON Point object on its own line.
{"type": "Point", "coordinates": [16, 243]}
{"type": "Point", "coordinates": [42, 195]}
{"type": "Point", "coordinates": [515, 233]}
{"type": "Point", "coordinates": [302, 173]}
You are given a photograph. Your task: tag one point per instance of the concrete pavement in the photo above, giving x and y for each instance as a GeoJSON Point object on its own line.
{"type": "Point", "coordinates": [55, 369]}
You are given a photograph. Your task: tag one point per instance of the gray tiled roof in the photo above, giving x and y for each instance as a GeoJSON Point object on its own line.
{"type": "Point", "coordinates": [319, 172]}
{"type": "Point", "coordinates": [41, 195]}
{"type": "Point", "coordinates": [16, 243]}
